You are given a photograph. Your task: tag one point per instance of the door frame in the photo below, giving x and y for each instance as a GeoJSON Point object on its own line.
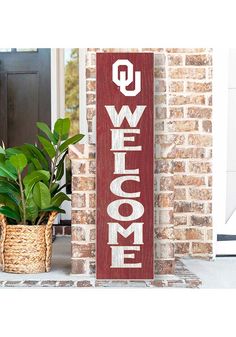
{"type": "Point", "coordinates": [58, 100]}
{"type": "Point", "coordinates": [219, 160]}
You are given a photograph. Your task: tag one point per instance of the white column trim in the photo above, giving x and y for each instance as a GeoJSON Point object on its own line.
{"type": "Point", "coordinates": [219, 119]}
{"type": "Point", "coordinates": [83, 124]}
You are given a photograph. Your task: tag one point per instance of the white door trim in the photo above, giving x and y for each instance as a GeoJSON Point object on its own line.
{"type": "Point", "coordinates": [58, 105]}
{"type": "Point", "coordinates": [220, 111]}
{"type": "Point", "coordinates": [83, 124]}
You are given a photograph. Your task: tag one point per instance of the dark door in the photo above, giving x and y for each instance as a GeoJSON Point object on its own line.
{"type": "Point", "coordinates": [25, 94]}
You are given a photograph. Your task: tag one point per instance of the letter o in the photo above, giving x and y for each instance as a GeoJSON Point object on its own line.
{"type": "Point", "coordinates": [137, 209]}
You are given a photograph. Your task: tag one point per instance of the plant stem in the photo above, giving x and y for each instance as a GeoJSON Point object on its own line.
{"type": "Point", "coordinates": [40, 218]}
{"type": "Point", "coordinates": [57, 155]}
{"type": "Point", "coordinates": [22, 198]}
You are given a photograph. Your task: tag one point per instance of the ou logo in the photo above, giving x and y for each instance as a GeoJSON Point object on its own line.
{"type": "Point", "coordinates": [124, 81]}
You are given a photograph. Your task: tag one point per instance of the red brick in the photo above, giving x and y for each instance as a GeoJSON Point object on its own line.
{"type": "Point", "coordinates": [200, 167]}
{"type": "Point", "coordinates": [164, 233]}
{"type": "Point", "coordinates": [159, 72]}
{"type": "Point", "coordinates": [207, 126]}
{"type": "Point", "coordinates": [92, 167]}
{"type": "Point", "coordinates": [90, 72]}
{"type": "Point", "coordinates": [92, 234]}
{"type": "Point", "coordinates": [78, 200]}
{"type": "Point", "coordinates": [186, 207]}
{"type": "Point", "coordinates": [180, 194]}
{"type": "Point", "coordinates": [169, 139]}
{"type": "Point", "coordinates": [190, 152]}
{"type": "Point", "coordinates": [163, 166]}
{"type": "Point", "coordinates": [188, 234]}
{"type": "Point", "coordinates": [201, 248]}
{"type": "Point", "coordinates": [187, 73]}
{"type": "Point", "coordinates": [178, 166]}
{"type": "Point", "coordinates": [83, 250]}
{"type": "Point", "coordinates": [92, 200]}
{"type": "Point", "coordinates": [209, 181]}
{"type": "Point", "coordinates": [201, 220]}
{"type": "Point", "coordinates": [160, 86]}
{"type": "Point", "coordinates": [180, 220]}
{"type": "Point", "coordinates": [164, 250]}
{"type": "Point", "coordinates": [78, 167]}
{"type": "Point", "coordinates": [176, 86]}
{"type": "Point", "coordinates": [160, 99]}
{"type": "Point", "coordinates": [188, 180]}
{"type": "Point", "coordinates": [83, 217]}
{"type": "Point", "coordinates": [166, 184]}
{"type": "Point", "coordinates": [181, 248]}
{"type": "Point", "coordinates": [198, 60]}
{"type": "Point", "coordinates": [78, 266]}
{"type": "Point", "coordinates": [200, 140]}
{"type": "Point", "coordinates": [176, 112]}
{"type": "Point", "coordinates": [182, 126]}
{"type": "Point", "coordinates": [163, 267]}
{"type": "Point", "coordinates": [160, 112]}
{"type": "Point", "coordinates": [200, 193]}
{"type": "Point", "coordinates": [175, 60]}
{"type": "Point", "coordinates": [78, 233]}
{"type": "Point", "coordinates": [165, 200]}
{"type": "Point", "coordinates": [187, 99]}
{"type": "Point", "coordinates": [199, 112]}
{"type": "Point", "coordinates": [83, 183]}
{"type": "Point", "coordinates": [91, 112]}
{"type": "Point", "coordinates": [91, 99]}
{"type": "Point", "coordinates": [159, 59]}
{"type": "Point", "coordinates": [199, 86]}
{"type": "Point", "coordinates": [91, 85]}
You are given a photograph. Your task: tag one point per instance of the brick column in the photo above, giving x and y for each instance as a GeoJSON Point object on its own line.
{"type": "Point", "coordinates": [83, 209]}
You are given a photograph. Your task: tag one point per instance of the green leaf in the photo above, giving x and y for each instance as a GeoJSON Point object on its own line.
{"type": "Point", "coordinates": [60, 170]}
{"type": "Point", "coordinates": [5, 210]}
{"type": "Point", "coordinates": [31, 179]}
{"type": "Point", "coordinates": [72, 140]}
{"type": "Point", "coordinates": [48, 147]}
{"type": "Point", "coordinates": [32, 210]}
{"type": "Point", "coordinates": [45, 128]}
{"type": "Point", "coordinates": [19, 161]}
{"type": "Point", "coordinates": [36, 163]}
{"type": "Point", "coordinates": [40, 175]}
{"type": "Point", "coordinates": [31, 168]}
{"type": "Point", "coordinates": [31, 151]}
{"type": "Point", "coordinates": [12, 151]}
{"type": "Point", "coordinates": [41, 195]}
{"type": "Point", "coordinates": [58, 199]}
{"type": "Point", "coordinates": [54, 188]}
{"type": "Point", "coordinates": [61, 128]}
{"type": "Point", "coordinates": [2, 158]}
{"type": "Point", "coordinates": [7, 170]}
{"type": "Point", "coordinates": [53, 208]}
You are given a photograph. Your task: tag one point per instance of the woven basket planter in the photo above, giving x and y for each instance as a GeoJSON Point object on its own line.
{"type": "Point", "coordinates": [26, 249]}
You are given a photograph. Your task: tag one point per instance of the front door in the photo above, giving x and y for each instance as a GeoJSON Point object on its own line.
{"type": "Point", "coordinates": [25, 94]}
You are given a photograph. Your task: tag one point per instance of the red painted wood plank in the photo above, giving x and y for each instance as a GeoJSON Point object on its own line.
{"type": "Point", "coordinates": [124, 248]}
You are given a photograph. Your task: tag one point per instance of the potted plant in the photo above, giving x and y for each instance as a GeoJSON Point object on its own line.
{"type": "Point", "coordinates": [30, 198]}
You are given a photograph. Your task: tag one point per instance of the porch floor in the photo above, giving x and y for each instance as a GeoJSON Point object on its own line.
{"type": "Point", "coordinates": [60, 275]}
{"type": "Point", "coordinates": [217, 273]}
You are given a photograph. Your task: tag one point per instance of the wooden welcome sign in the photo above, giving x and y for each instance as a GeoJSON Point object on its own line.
{"type": "Point", "coordinates": [124, 247]}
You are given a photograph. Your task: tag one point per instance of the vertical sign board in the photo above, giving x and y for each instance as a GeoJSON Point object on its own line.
{"type": "Point", "coordinates": [124, 117]}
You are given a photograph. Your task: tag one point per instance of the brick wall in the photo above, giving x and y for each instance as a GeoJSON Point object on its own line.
{"type": "Point", "coordinates": [183, 167]}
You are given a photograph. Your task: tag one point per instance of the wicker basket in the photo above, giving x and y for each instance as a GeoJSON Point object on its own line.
{"type": "Point", "coordinates": [26, 249]}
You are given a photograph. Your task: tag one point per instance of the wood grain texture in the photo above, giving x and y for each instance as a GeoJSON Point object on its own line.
{"type": "Point", "coordinates": [140, 161]}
